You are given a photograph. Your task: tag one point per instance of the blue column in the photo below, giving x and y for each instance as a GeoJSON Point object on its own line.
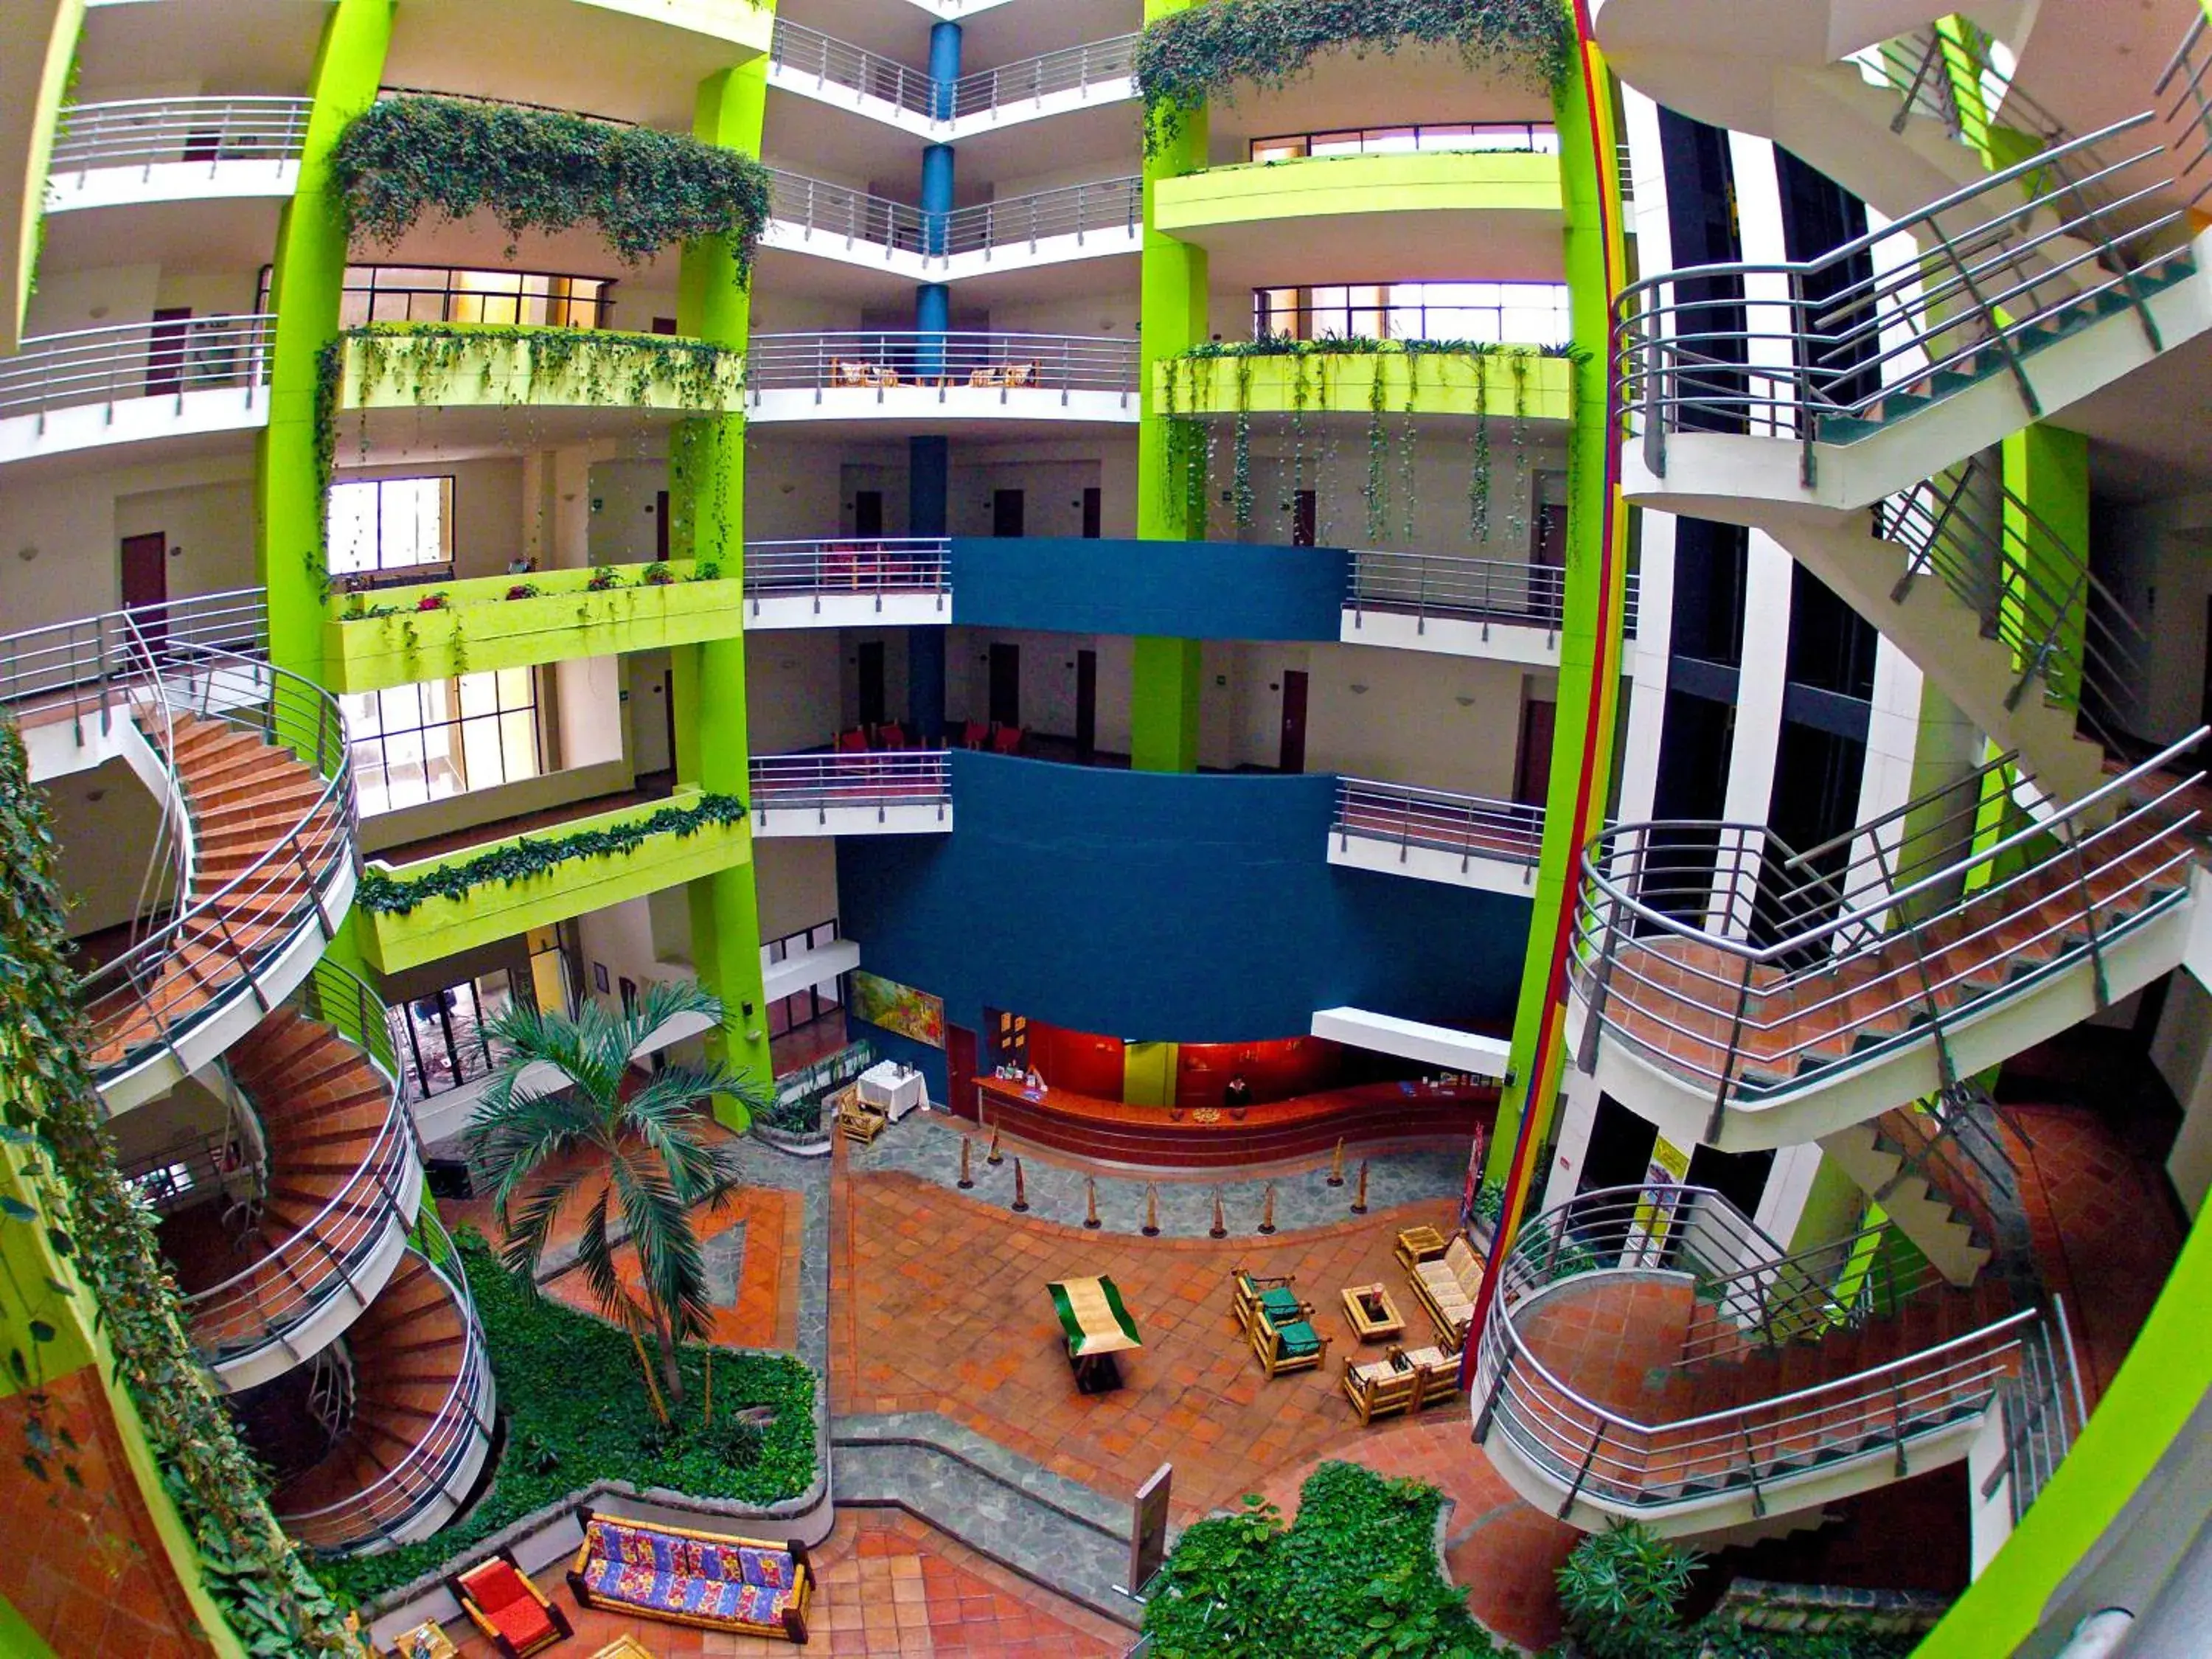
{"type": "Point", "coordinates": [944, 65]}
{"type": "Point", "coordinates": [925, 684]}
{"type": "Point", "coordinates": [928, 501]}
{"type": "Point", "coordinates": [936, 196]}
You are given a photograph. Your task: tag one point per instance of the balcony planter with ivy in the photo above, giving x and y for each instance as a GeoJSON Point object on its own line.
{"type": "Point", "coordinates": [384, 638]}
{"type": "Point", "coordinates": [479, 365]}
{"type": "Point", "coordinates": [422, 912]}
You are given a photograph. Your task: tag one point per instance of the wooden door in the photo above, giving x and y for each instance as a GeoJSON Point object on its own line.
{"type": "Point", "coordinates": [1005, 684]}
{"type": "Point", "coordinates": [1293, 756]}
{"type": "Point", "coordinates": [1094, 514]}
{"type": "Point", "coordinates": [868, 514]}
{"type": "Point", "coordinates": [165, 351]}
{"type": "Point", "coordinates": [960, 1069]}
{"type": "Point", "coordinates": [1304, 515]}
{"type": "Point", "coordinates": [1009, 512]}
{"type": "Point", "coordinates": [1086, 705]}
{"type": "Point", "coordinates": [1548, 557]}
{"type": "Point", "coordinates": [872, 697]}
{"type": "Point", "coordinates": [1532, 768]}
{"type": "Point", "coordinates": [660, 525]}
{"type": "Point", "coordinates": [146, 582]}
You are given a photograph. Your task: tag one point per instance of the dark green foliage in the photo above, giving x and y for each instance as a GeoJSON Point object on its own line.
{"type": "Point", "coordinates": [1621, 1591]}
{"type": "Point", "coordinates": [54, 1126]}
{"type": "Point", "coordinates": [1356, 1574]}
{"type": "Point", "coordinates": [382, 895]}
{"type": "Point", "coordinates": [577, 1412]}
{"type": "Point", "coordinates": [1204, 52]}
{"type": "Point", "coordinates": [544, 170]}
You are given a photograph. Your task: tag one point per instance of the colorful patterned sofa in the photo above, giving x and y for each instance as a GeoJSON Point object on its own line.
{"type": "Point", "coordinates": [693, 1577]}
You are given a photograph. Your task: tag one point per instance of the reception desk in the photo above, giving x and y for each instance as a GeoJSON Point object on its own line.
{"type": "Point", "coordinates": [1115, 1132]}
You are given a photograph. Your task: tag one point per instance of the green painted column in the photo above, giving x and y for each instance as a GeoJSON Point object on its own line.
{"type": "Point", "coordinates": [1590, 639]}
{"type": "Point", "coordinates": [707, 509]}
{"type": "Point", "coordinates": [306, 287]}
{"type": "Point", "coordinates": [2047, 534]}
{"type": "Point", "coordinates": [1164, 676]}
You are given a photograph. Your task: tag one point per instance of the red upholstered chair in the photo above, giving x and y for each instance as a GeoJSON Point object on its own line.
{"type": "Point", "coordinates": [975, 734]}
{"type": "Point", "coordinates": [891, 735]}
{"type": "Point", "coordinates": [500, 1602]}
{"type": "Point", "coordinates": [1007, 739]}
{"type": "Point", "coordinates": [854, 742]}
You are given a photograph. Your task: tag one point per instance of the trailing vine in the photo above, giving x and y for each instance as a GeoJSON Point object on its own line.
{"type": "Point", "coordinates": [53, 1124]}
{"type": "Point", "coordinates": [1377, 491]}
{"type": "Point", "coordinates": [546, 170]}
{"type": "Point", "coordinates": [1241, 462]}
{"type": "Point", "coordinates": [431, 361]}
{"type": "Point", "coordinates": [1478, 484]}
{"type": "Point", "coordinates": [386, 895]}
{"type": "Point", "coordinates": [1517, 522]}
{"type": "Point", "coordinates": [1205, 51]}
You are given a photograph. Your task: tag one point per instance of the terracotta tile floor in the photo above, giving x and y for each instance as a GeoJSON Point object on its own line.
{"type": "Point", "coordinates": [766, 1312]}
{"type": "Point", "coordinates": [890, 1584]}
{"type": "Point", "coordinates": [938, 1303]}
{"type": "Point", "coordinates": [1611, 1339]}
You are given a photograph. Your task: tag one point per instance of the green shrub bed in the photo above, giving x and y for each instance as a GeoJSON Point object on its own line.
{"type": "Point", "coordinates": [577, 1412]}
{"type": "Point", "coordinates": [1356, 1574]}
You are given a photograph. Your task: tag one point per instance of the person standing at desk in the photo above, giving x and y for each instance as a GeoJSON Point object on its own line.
{"type": "Point", "coordinates": [1237, 1094]}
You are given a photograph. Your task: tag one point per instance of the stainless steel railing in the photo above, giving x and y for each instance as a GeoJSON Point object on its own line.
{"type": "Point", "coordinates": [1453, 584]}
{"type": "Point", "coordinates": [82, 665]}
{"type": "Point", "coordinates": [266, 1302]}
{"type": "Point", "coordinates": [148, 132]}
{"type": "Point", "coordinates": [92, 366]}
{"type": "Point", "coordinates": [2183, 82]}
{"type": "Point", "coordinates": [801, 52]}
{"type": "Point", "coordinates": [1741, 965]}
{"type": "Point", "coordinates": [1473, 826]}
{"type": "Point", "coordinates": [875, 780]}
{"type": "Point", "coordinates": [1786, 350]}
{"type": "Point", "coordinates": [222, 941]}
{"type": "Point", "coordinates": [430, 1469]}
{"type": "Point", "coordinates": [818, 208]}
{"type": "Point", "coordinates": [1628, 1466]}
{"type": "Point", "coordinates": [832, 61]}
{"type": "Point", "coordinates": [878, 360]}
{"type": "Point", "coordinates": [847, 566]}
{"type": "Point", "coordinates": [1032, 80]}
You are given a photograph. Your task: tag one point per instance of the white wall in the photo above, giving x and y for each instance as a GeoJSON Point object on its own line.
{"type": "Point", "coordinates": [795, 879]}
{"type": "Point", "coordinates": [792, 689]}
{"type": "Point", "coordinates": [2182, 1051]}
{"type": "Point", "coordinates": [107, 824]}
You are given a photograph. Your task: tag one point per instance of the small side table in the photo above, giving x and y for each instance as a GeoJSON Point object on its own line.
{"type": "Point", "coordinates": [1419, 1244]}
{"type": "Point", "coordinates": [1373, 1315]}
{"type": "Point", "coordinates": [624, 1646]}
{"type": "Point", "coordinates": [409, 1643]}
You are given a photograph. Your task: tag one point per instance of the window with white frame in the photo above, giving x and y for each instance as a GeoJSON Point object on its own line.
{"type": "Point", "coordinates": [391, 524]}
{"type": "Point", "coordinates": [416, 744]}
{"type": "Point", "coordinates": [1497, 314]}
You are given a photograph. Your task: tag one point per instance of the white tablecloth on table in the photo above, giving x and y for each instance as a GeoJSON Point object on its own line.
{"type": "Point", "coordinates": [889, 1087]}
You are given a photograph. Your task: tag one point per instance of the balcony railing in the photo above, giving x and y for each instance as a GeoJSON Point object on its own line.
{"type": "Point", "coordinates": [1744, 967]}
{"type": "Point", "coordinates": [1471, 826]}
{"type": "Point", "coordinates": [1032, 80]}
{"type": "Point", "coordinates": [150, 132]}
{"type": "Point", "coordinates": [1762, 1300]}
{"type": "Point", "coordinates": [82, 665]}
{"type": "Point", "coordinates": [1450, 585]}
{"type": "Point", "coordinates": [872, 782]}
{"type": "Point", "coordinates": [427, 1472]}
{"type": "Point", "coordinates": [874, 567]}
{"type": "Point", "coordinates": [818, 208]}
{"type": "Point", "coordinates": [268, 1301]}
{"type": "Point", "coordinates": [879, 361]}
{"type": "Point", "coordinates": [94, 366]}
{"type": "Point", "coordinates": [801, 50]}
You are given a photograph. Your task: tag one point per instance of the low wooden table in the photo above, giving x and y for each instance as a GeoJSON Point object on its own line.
{"type": "Point", "coordinates": [1372, 1313]}
{"type": "Point", "coordinates": [1095, 1327]}
{"type": "Point", "coordinates": [624, 1646]}
{"type": "Point", "coordinates": [407, 1644]}
{"type": "Point", "coordinates": [1420, 1244]}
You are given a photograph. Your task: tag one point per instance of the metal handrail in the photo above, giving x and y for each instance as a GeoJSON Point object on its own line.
{"type": "Point", "coordinates": [383, 1507]}
{"type": "Point", "coordinates": [126, 360]}
{"type": "Point", "coordinates": [313, 1266]}
{"type": "Point", "coordinates": [147, 132]}
{"type": "Point", "coordinates": [1649, 955]}
{"type": "Point", "coordinates": [1874, 1411]}
{"type": "Point", "coordinates": [2185, 72]}
{"type": "Point", "coordinates": [875, 566]}
{"type": "Point", "coordinates": [1817, 341]}
{"type": "Point", "coordinates": [880, 360]}
{"type": "Point", "coordinates": [813, 205]}
{"type": "Point", "coordinates": [78, 664]}
{"type": "Point", "coordinates": [876, 778]}
{"type": "Point", "coordinates": [253, 916]}
{"type": "Point", "coordinates": [802, 50]}
{"type": "Point", "coordinates": [1032, 80]}
{"type": "Point", "coordinates": [1471, 825]}
{"type": "Point", "coordinates": [1455, 585]}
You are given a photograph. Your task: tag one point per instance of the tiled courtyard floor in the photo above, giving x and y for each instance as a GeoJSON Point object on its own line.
{"type": "Point", "coordinates": [889, 1585]}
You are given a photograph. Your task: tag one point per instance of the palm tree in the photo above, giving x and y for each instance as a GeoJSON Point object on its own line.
{"type": "Point", "coordinates": [559, 1089]}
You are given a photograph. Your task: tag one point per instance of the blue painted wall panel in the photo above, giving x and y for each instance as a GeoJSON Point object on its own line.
{"type": "Point", "coordinates": [1162, 906]}
{"type": "Point", "coordinates": [1179, 589]}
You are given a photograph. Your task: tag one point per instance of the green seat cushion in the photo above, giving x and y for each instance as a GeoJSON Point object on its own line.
{"type": "Point", "coordinates": [1281, 1304]}
{"type": "Point", "coordinates": [1299, 1338]}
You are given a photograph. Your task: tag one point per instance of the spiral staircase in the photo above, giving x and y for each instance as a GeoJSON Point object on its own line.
{"type": "Point", "coordinates": [300, 1237]}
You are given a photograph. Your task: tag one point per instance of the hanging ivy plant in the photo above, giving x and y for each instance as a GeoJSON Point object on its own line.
{"type": "Point", "coordinates": [433, 361]}
{"type": "Point", "coordinates": [386, 896]}
{"type": "Point", "coordinates": [1478, 486]}
{"type": "Point", "coordinates": [1207, 50]}
{"type": "Point", "coordinates": [54, 1126]}
{"type": "Point", "coordinates": [1377, 491]}
{"type": "Point", "coordinates": [544, 170]}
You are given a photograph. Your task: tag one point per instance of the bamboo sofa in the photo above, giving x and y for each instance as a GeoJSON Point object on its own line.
{"type": "Point", "coordinates": [703, 1579]}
